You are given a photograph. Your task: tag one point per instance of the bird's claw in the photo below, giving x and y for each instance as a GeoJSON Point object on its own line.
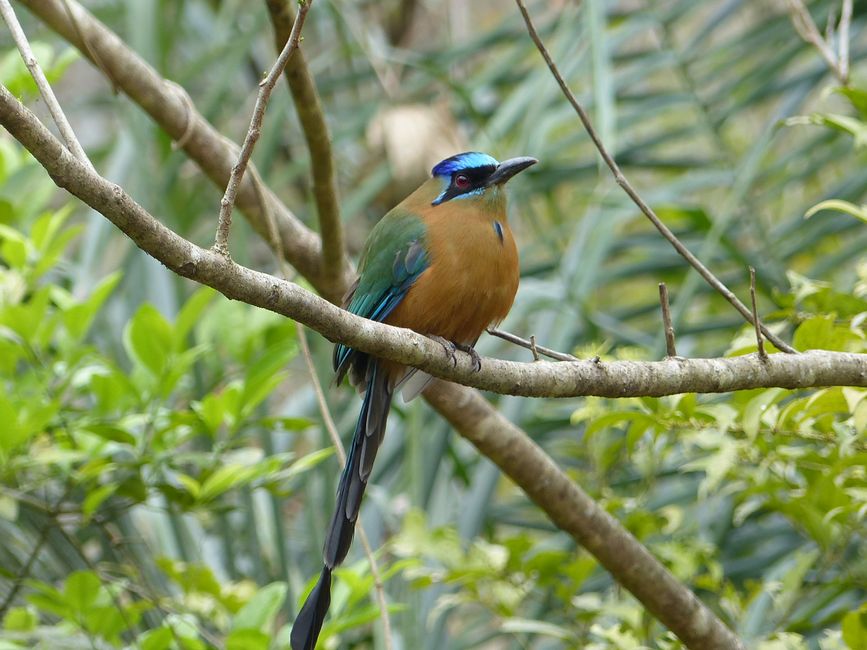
{"type": "Point", "coordinates": [470, 350]}
{"type": "Point", "coordinates": [450, 347]}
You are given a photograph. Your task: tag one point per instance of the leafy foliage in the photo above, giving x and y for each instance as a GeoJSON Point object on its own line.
{"type": "Point", "coordinates": [160, 484]}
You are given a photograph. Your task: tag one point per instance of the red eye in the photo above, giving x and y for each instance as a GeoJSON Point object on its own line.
{"type": "Point", "coordinates": [462, 182]}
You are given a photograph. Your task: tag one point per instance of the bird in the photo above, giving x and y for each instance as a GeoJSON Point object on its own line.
{"type": "Point", "coordinates": [444, 263]}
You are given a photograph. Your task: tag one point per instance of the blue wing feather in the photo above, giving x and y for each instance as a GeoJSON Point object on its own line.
{"type": "Point", "coordinates": [410, 262]}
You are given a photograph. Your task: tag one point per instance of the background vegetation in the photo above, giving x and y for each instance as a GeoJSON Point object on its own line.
{"type": "Point", "coordinates": [166, 478]}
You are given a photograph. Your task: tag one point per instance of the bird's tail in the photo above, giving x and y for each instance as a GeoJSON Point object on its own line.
{"type": "Point", "coordinates": [369, 431]}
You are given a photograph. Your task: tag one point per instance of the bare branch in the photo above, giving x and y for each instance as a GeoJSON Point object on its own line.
{"type": "Point", "coordinates": [312, 119]}
{"type": "Point", "coordinates": [537, 379]}
{"type": "Point", "coordinates": [266, 87]}
{"type": "Point", "coordinates": [42, 84]}
{"type": "Point", "coordinates": [760, 342]}
{"type": "Point", "coordinates": [670, 348]}
{"type": "Point", "coordinates": [531, 345]}
{"type": "Point", "coordinates": [621, 180]}
{"type": "Point", "coordinates": [843, 41]}
{"type": "Point", "coordinates": [806, 27]}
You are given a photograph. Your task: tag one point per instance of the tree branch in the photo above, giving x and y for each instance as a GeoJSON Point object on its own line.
{"type": "Point", "coordinates": [171, 108]}
{"type": "Point", "coordinates": [221, 241]}
{"type": "Point", "coordinates": [316, 133]}
{"type": "Point", "coordinates": [469, 412]}
{"type": "Point", "coordinates": [42, 84]}
{"type": "Point", "coordinates": [536, 379]}
{"type": "Point", "coordinates": [568, 506]}
{"type": "Point", "coordinates": [573, 511]}
{"type": "Point", "coordinates": [622, 181]}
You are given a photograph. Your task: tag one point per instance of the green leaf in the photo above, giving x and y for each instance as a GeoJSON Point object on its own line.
{"type": "Point", "coordinates": [20, 619]}
{"type": "Point", "coordinates": [158, 639]}
{"type": "Point", "coordinates": [226, 478]}
{"type": "Point", "coordinates": [78, 318]}
{"type": "Point", "coordinates": [857, 211]}
{"type": "Point", "coordinates": [263, 376]}
{"type": "Point", "coordinates": [95, 498]}
{"type": "Point", "coordinates": [81, 590]}
{"type": "Point", "coordinates": [109, 431]}
{"type": "Point", "coordinates": [247, 639]}
{"type": "Point", "coordinates": [190, 314]}
{"type": "Point", "coordinates": [147, 339]}
{"type": "Point", "coordinates": [757, 408]}
{"type": "Point", "coordinates": [855, 629]}
{"type": "Point", "coordinates": [260, 611]}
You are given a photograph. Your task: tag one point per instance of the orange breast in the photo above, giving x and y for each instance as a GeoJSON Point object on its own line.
{"type": "Point", "coordinates": [472, 278]}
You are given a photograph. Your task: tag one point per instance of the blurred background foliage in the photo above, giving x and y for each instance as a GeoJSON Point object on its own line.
{"type": "Point", "coordinates": [164, 474]}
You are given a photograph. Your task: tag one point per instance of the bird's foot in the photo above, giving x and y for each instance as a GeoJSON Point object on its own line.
{"type": "Point", "coordinates": [470, 350]}
{"type": "Point", "coordinates": [450, 347]}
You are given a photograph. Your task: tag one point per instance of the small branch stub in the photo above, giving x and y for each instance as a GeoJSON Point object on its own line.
{"type": "Point", "coordinates": [760, 341]}
{"type": "Point", "coordinates": [531, 345]}
{"type": "Point", "coordinates": [670, 348]}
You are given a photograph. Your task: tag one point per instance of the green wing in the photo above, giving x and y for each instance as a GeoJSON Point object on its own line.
{"type": "Point", "coordinates": [394, 256]}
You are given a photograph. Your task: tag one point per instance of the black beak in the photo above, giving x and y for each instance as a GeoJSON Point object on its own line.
{"type": "Point", "coordinates": [508, 168]}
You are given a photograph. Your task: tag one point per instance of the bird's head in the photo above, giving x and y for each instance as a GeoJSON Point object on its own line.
{"type": "Point", "coordinates": [474, 175]}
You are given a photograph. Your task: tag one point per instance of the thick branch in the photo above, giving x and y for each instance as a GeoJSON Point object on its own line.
{"type": "Point", "coordinates": [172, 109]}
{"type": "Point", "coordinates": [536, 379]}
{"type": "Point", "coordinates": [313, 124]}
{"type": "Point", "coordinates": [573, 511]}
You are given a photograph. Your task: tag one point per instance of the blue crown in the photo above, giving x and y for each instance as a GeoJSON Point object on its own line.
{"type": "Point", "coordinates": [466, 160]}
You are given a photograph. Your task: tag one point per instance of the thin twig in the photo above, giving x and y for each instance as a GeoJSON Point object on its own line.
{"type": "Point", "coordinates": [311, 117]}
{"type": "Point", "coordinates": [91, 53]}
{"type": "Point", "coordinates": [42, 84]}
{"type": "Point", "coordinates": [671, 350]}
{"type": "Point", "coordinates": [103, 579]}
{"type": "Point", "coordinates": [266, 86]}
{"type": "Point", "coordinates": [806, 27]}
{"type": "Point", "coordinates": [533, 347]}
{"type": "Point", "coordinates": [530, 344]}
{"type": "Point", "coordinates": [621, 180]}
{"type": "Point", "coordinates": [51, 513]}
{"type": "Point", "coordinates": [760, 342]}
{"type": "Point", "coordinates": [843, 41]}
{"type": "Point", "coordinates": [341, 455]}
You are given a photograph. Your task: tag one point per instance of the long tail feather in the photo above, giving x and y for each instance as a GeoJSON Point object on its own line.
{"type": "Point", "coordinates": [369, 431]}
{"type": "Point", "coordinates": [308, 624]}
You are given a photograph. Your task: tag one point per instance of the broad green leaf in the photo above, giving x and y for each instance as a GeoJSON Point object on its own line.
{"type": "Point", "coordinates": [95, 498]}
{"type": "Point", "coordinates": [81, 590]}
{"type": "Point", "coordinates": [855, 628]}
{"type": "Point", "coordinates": [79, 317]}
{"type": "Point", "coordinates": [247, 639]}
{"type": "Point", "coordinates": [260, 611]}
{"type": "Point", "coordinates": [226, 478]}
{"type": "Point", "coordinates": [160, 638]}
{"type": "Point", "coordinates": [20, 619]}
{"type": "Point", "coordinates": [148, 339]}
